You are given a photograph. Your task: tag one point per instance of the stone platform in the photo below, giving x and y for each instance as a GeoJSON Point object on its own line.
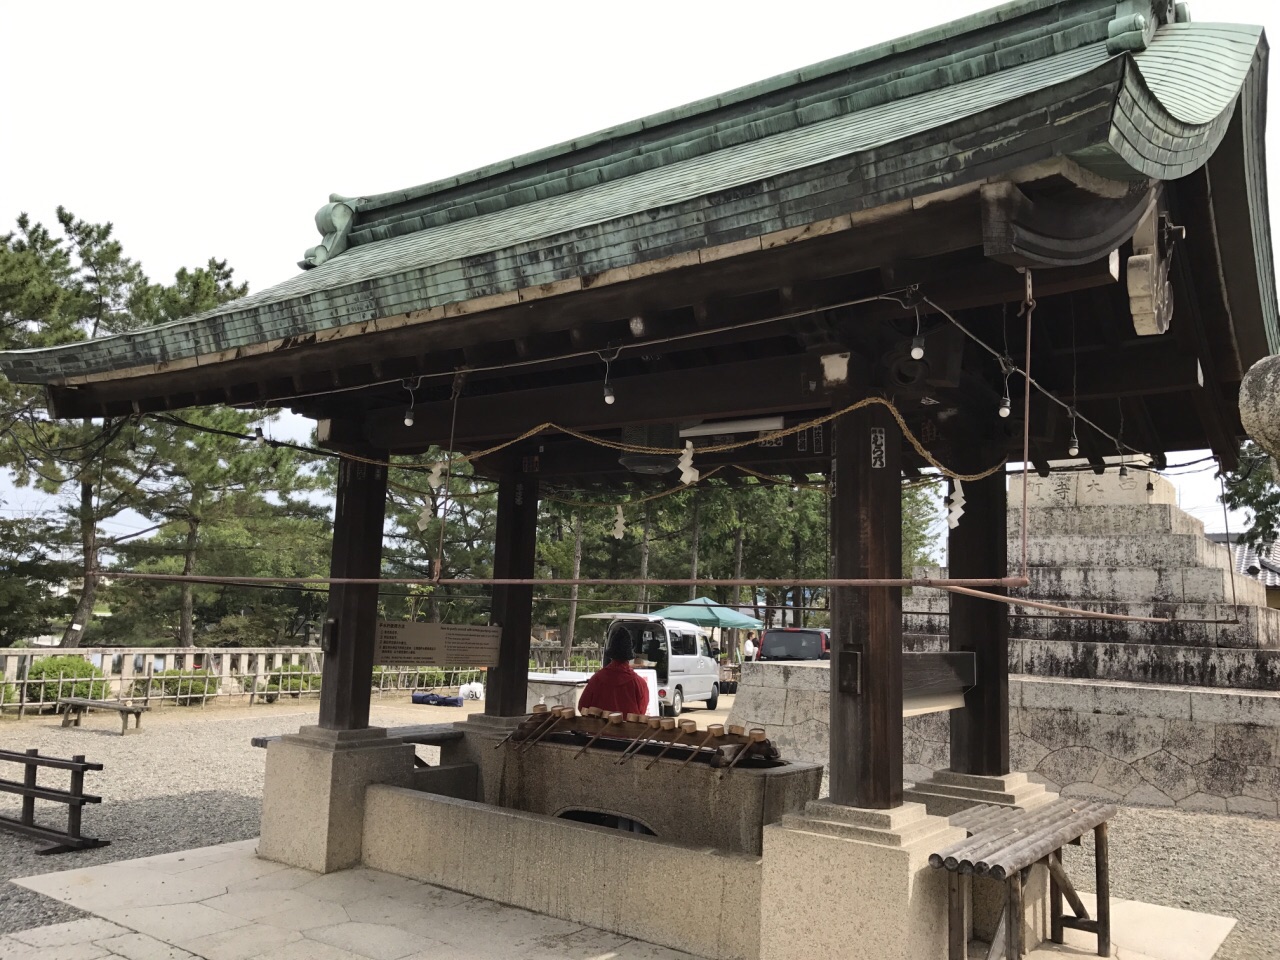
{"type": "Point", "coordinates": [224, 903]}
{"type": "Point", "coordinates": [1109, 545]}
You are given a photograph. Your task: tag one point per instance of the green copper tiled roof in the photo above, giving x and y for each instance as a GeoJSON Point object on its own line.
{"type": "Point", "coordinates": [981, 96]}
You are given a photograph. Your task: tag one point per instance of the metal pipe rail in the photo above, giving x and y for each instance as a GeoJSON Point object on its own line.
{"type": "Point", "coordinates": [60, 841]}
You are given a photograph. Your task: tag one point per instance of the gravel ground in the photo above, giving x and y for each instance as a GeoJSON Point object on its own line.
{"type": "Point", "coordinates": [191, 779]}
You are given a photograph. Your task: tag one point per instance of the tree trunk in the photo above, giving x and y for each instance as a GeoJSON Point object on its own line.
{"type": "Point", "coordinates": [693, 559]}
{"type": "Point", "coordinates": [643, 605]}
{"type": "Point", "coordinates": [737, 591]}
{"type": "Point", "coordinates": [797, 593]}
{"type": "Point", "coordinates": [186, 636]}
{"type": "Point", "coordinates": [573, 591]}
{"type": "Point", "coordinates": [72, 636]}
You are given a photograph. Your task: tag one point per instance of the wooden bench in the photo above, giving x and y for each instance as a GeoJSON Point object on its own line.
{"type": "Point", "coordinates": [1003, 844]}
{"type": "Point", "coordinates": [73, 709]}
{"type": "Point", "coordinates": [428, 734]}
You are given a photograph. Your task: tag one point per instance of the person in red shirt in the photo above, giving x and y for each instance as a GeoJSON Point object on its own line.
{"type": "Point", "coordinates": [617, 687]}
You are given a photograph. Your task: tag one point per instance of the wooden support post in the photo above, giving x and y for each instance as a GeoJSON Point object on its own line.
{"type": "Point", "coordinates": [1102, 884]}
{"type": "Point", "coordinates": [353, 610]}
{"type": "Point", "coordinates": [514, 552]}
{"type": "Point", "coordinates": [866, 655]}
{"type": "Point", "coordinates": [977, 548]}
{"type": "Point", "coordinates": [957, 932]}
{"type": "Point", "coordinates": [1055, 896]}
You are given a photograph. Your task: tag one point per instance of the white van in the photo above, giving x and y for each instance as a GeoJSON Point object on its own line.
{"type": "Point", "coordinates": [680, 652]}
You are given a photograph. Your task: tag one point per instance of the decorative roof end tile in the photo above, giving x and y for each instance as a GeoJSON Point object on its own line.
{"type": "Point", "coordinates": [1136, 22]}
{"type": "Point", "coordinates": [334, 221]}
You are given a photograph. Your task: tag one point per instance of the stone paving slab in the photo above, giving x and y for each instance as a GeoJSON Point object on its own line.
{"type": "Point", "coordinates": [363, 914]}
{"type": "Point", "coordinates": [223, 903]}
{"type": "Point", "coordinates": [1144, 931]}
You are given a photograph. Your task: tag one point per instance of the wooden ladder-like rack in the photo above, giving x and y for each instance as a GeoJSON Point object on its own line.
{"type": "Point", "coordinates": [60, 841]}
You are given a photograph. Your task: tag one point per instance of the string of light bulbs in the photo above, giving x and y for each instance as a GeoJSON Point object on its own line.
{"type": "Point", "coordinates": [1040, 388]}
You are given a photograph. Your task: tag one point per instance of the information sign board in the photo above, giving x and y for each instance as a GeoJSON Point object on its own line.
{"type": "Point", "coordinates": [399, 643]}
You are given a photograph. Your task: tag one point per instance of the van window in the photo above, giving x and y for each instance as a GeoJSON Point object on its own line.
{"type": "Point", "coordinates": [682, 645]}
{"type": "Point", "coordinates": [703, 649]}
{"type": "Point", "coordinates": [791, 645]}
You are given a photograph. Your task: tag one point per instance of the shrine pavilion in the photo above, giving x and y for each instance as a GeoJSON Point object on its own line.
{"type": "Point", "coordinates": [887, 226]}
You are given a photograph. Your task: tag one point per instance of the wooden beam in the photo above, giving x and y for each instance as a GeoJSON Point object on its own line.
{"type": "Point", "coordinates": [978, 548]}
{"type": "Point", "coordinates": [937, 229]}
{"type": "Point", "coordinates": [810, 451]}
{"type": "Point", "coordinates": [352, 616]}
{"type": "Point", "coordinates": [778, 385]}
{"type": "Point", "coordinates": [1058, 230]}
{"type": "Point", "coordinates": [866, 657]}
{"type": "Point", "coordinates": [514, 553]}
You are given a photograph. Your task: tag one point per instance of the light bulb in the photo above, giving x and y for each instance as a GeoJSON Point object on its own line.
{"type": "Point", "coordinates": [608, 393]}
{"type": "Point", "coordinates": [408, 417]}
{"type": "Point", "coordinates": [1151, 486]}
{"type": "Point", "coordinates": [1124, 471]}
{"type": "Point", "coordinates": [1006, 407]}
{"type": "Point", "coordinates": [1074, 449]}
{"type": "Point", "coordinates": [258, 438]}
{"type": "Point", "coordinates": [917, 348]}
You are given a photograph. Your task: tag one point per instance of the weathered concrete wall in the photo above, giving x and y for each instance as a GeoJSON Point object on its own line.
{"type": "Point", "coordinates": [1201, 666]}
{"type": "Point", "coordinates": [1196, 748]}
{"type": "Point", "coordinates": [605, 878]}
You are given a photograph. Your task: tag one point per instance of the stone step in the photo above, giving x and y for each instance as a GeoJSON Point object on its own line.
{"type": "Point", "coordinates": [1190, 624]}
{"type": "Point", "coordinates": [1131, 662]}
{"type": "Point", "coordinates": [1148, 663]}
{"type": "Point", "coordinates": [1115, 584]}
{"type": "Point", "coordinates": [1118, 520]}
{"type": "Point", "coordinates": [1156, 552]}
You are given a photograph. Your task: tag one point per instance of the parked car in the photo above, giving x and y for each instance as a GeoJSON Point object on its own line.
{"type": "Point", "coordinates": [795, 643]}
{"type": "Point", "coordinates": [680, 653]}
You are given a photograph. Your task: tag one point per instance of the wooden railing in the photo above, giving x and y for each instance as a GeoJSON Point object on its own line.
{"type": "Point", "coordinates": [74, 798]}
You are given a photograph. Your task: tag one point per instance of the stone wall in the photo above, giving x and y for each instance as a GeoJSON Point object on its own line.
{"type": "Point", "coordinates": [1190, 747]}
{"type": "Point", "coordinates": [601, 877]}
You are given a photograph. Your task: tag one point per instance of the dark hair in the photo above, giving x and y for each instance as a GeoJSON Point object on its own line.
{"type": "Point", "coordinates": [620, 646]}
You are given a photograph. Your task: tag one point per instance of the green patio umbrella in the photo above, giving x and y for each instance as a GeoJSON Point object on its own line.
{"type": "Point", "coordinates": [705, 612]}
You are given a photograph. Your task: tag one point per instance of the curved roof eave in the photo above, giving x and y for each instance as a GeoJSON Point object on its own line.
{"type": "Point", "coordinates": [1175, 103]}
{"type": "Point", "coordinates": [1159, 114]}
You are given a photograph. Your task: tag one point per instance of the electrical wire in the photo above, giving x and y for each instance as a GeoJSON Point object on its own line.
{"type": "Point", "coordinates": [1031, 380]}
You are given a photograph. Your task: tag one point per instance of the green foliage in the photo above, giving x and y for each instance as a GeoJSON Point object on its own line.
{"type": "Point", "coordinates": [468, 516]}
{"type": "Point", "coordinates": [186, 686]}
{"type": "Point", "coordinates": [294, 679]}
{"type": "Point", "coordinates": [30, 573]}
{"type": "Point", "coordinates": [1253, 487]}
{"type": "Point", "coordinates": [72, 285]}
{"type": "Point", "coordinates": [77, 679]}
{"type": "Point", "coordinates": [414, 678]}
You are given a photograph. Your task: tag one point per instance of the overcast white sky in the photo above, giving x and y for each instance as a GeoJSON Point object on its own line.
{"type": "Point", "coordinates": [219, 129]}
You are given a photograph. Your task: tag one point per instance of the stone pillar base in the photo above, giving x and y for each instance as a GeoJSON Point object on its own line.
{"type": "Point", "coordinates": [947, 793]}
{"type": "Point", "coordinates": [313, 793]}
{"type": "Point", "coordinates": [848, 883]}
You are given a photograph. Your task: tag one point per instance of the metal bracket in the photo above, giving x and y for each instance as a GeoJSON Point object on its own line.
{"type": "Point", "coordinates": [850, 676]}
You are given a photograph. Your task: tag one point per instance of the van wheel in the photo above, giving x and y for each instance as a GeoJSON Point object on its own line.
{"type": "Point", "coordinates": [677, 703]}
{"type": "Point", "coordinates": [712, 700]}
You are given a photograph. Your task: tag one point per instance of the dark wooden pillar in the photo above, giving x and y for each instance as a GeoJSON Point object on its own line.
{"type": "Point", "coordinates": [977, 548]}
{"type": "Point", "coordinates": [353, 610]}
{"type": "Point", "coordinates": [866, 658]}
{"type": "Point", "coordinates": [514, 551]}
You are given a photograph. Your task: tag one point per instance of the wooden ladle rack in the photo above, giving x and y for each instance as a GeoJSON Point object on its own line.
{"type": "Point", "coordinates": [630, 735]}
